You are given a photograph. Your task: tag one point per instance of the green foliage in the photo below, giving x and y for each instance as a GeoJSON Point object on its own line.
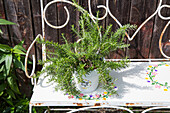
{"type": "Point", "coordinates": [85, 55]}
{"type": "Point", "coordinates": [10, 96]}
{"type": "Point", "coordinates": [11, 59]}
{"type": "Point", "coordinates": [20, 106]}
{"type": "Point", "coordinates": [5, 22]}
{"type": "Point", "coordinates": [1, 31]}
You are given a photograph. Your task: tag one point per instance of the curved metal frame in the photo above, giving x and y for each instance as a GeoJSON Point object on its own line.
{"type": "Point", "coordinates": [115, 107]}
{"type": "Point", "coordinates": [33, 56]}
{"type": "Point", "coordinates": [166, 26]}
{"type": "Point", "coordinates": [160, 41]}
{"type": "Point", "coordinates": [155, 108]}
{"type": "Point", "coordinates": [86, 108]}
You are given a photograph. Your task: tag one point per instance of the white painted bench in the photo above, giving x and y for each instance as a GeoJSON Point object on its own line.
{"type": "Point", "coordinates": [137, 85]}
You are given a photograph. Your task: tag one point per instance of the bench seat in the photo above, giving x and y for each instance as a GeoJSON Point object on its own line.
{"type": "Point", "coordinates": [134, 89]}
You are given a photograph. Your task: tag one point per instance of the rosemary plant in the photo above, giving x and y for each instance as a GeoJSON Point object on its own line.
{"type": "Point", "coordinates": [86, 54]}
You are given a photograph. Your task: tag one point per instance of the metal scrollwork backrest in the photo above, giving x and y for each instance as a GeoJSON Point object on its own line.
{"type": "Point", "coordinates": [107, 12]}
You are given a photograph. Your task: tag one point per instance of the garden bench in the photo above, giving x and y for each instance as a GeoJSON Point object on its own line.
{"type": "Point", "coordinates": [143, 83]}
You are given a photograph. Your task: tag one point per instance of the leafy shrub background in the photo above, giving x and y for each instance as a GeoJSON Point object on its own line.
{"type": "Point", "coordinates": [11, 59]}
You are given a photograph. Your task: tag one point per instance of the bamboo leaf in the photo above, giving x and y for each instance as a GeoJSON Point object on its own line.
{"type": "Point", "coordinates": [18, 51]}
{"type": "Point", "coordinates": [19, 47]}
{"type": "Point", "coordinates": [21, 43]}
{"type": "Point", "coordinates": [8, 62]}
{"type": "Point", "coordinates": [13, 85]}
{"type": "Point", "coordinates": [1, 68]}
{"type": "Point", "coordinates": [1, 31]}
{"type": "Point", "coordinates": [1, 93]}
{"type": "Point", "coordinates": [2, 58]}
{"type": "Point", "coordinates": [18, 64]}
{"type": "Point", "coordinates": [6, 22]}
{"type": "Point", "coordinates": [11, 93]}
{"type": "Point", "coordinates": [9, 100]}
{"type": "Point", "coordinates": [5, 48]}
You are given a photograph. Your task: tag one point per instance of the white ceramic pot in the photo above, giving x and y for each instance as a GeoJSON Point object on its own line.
{"type": "Point", "coordinates": [90, 83]}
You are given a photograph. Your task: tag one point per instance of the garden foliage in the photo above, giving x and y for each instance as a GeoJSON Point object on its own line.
{"type": "Point", "coordinates": [11, 59]}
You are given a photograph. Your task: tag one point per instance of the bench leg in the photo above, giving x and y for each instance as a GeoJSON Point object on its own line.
{"type": "Point", "coordinates": [30, 108]}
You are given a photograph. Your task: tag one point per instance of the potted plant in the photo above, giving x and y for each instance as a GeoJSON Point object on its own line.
{"type": "Point", "coordinates": [84, 59]}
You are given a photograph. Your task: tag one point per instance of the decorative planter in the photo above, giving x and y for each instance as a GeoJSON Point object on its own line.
{"type": "Point", "coordinates": [90, 82]}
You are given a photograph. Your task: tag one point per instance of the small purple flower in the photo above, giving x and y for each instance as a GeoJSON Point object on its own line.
{"type": "Point", "coordinates": [91, 96]}
{"type": "Point", "coordinates": [115, 87]}
{"type": "Point", "coordinates": [156, 70]}
{"type": "Point", "coordinates": [148, 81]}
